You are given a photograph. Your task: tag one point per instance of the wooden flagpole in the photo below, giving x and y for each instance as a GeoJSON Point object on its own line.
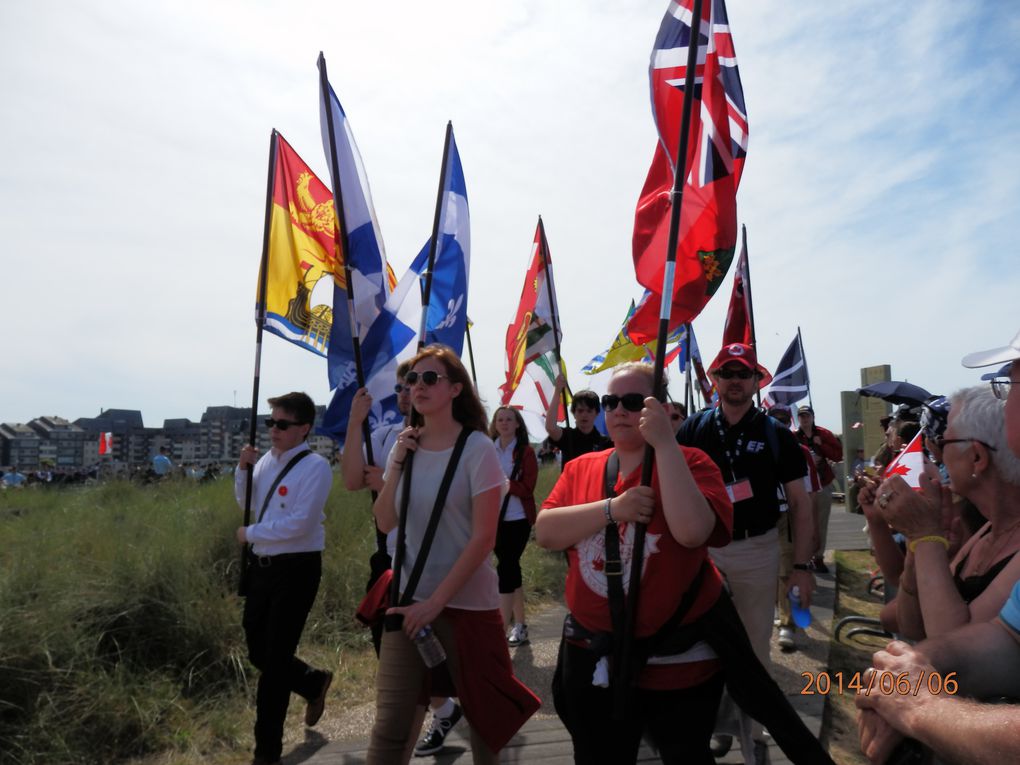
{"type": "Point", "coordinates": [471, 350]}
{"type": "Point", "coordinates": [625, 651]}
{"type": "Point", "coordinates": [260, 321]}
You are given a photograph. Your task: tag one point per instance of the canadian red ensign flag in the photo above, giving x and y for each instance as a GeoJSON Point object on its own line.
{"type": "Point", "coordinates": [105, 443]}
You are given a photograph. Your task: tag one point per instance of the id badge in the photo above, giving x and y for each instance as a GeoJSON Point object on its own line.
{"type": "Point", "coordinates": [740, 490]}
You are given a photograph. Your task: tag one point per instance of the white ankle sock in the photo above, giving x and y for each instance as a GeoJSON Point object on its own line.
{"type": "Point", "coordinates": [445, 710]}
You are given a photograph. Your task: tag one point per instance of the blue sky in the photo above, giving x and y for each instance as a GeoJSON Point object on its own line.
{"type": "Point", "coordinates": [880, 191]}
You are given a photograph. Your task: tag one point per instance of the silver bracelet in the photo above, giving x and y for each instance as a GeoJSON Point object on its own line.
{"type": "Point", "coordinates": [609, 512]}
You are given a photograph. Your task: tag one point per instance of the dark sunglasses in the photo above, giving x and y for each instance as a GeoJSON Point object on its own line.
{"type": "Point", "coordinates": [428, 377]}
{"type": "Point", "coordinates": [632, 402]}
{"type": "Point", "coordinates": [729, 374]}
{"type": "Point", "coordinates": [280, 424]}
{"type": "Point", "coordinates": [398, 388]}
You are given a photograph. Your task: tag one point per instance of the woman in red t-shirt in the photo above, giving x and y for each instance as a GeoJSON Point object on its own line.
{"type": "Point", "coordinates": [685, 509]}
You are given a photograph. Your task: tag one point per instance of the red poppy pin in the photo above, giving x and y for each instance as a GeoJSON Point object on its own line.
{"type": "Point", "coordinates": [283, 491]}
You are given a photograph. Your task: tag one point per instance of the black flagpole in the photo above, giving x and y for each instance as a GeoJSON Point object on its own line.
{"type": "Point", "coordinates": [543, 249]}
{"type": "Point", "coordinates": [807, 375]}
{"type": "Point", "coordinates": [688, 382]}
{"type": "Point", "coordinates": [343, 242]}
{"type": "Point", "coordinates": [471, 350]}
{"type": "Point", "coordinates": [625, 655]}
{"type": "Point", "coordinates": [426, 294]}
{"type": "Point", "coordinates": [750, 302]}
{"type": "Point", "coordinates": [260, 321]}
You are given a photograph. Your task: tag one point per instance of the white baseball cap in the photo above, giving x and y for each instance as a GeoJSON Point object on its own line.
{"type": "Point", "coordinates": [1001, 355]}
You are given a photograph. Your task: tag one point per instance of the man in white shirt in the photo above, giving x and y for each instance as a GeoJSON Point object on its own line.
{"type": "Point", "coordinates": [290, 486]}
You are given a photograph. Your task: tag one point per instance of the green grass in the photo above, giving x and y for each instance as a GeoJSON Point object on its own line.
{"type": "Point", "coordinates": [120, 628]}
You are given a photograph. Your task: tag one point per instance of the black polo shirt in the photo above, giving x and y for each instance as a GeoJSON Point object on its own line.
{"type": "Point", "coordinates": [752, 458]}
{"type": "Point", "coordinates": [573, 443]}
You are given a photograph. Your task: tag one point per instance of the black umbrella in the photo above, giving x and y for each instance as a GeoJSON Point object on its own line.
{"type": "Point", "coordinates": [896, 392]}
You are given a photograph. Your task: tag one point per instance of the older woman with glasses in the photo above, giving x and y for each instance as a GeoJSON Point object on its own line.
{"type": "Point", "coordinates": [938, 593]}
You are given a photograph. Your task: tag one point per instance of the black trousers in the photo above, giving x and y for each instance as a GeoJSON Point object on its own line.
{"type": "Point", "coordinates": [511, 539]}
{"type": "Point", "coordinates": [678, 722]}
{"type": "Point", "coordinates": [280, 596]}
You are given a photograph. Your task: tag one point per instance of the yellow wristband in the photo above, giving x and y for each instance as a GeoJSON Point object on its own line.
{"type": "Point", "coordinates": [912, 545]}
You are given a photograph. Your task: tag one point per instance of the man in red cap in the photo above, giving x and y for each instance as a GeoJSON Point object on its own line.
{"type": "Point", "coordinates": [758, 459]}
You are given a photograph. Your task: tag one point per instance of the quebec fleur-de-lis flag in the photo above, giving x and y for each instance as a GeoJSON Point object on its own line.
{"type": "Point", "coordinates": [715, 160]}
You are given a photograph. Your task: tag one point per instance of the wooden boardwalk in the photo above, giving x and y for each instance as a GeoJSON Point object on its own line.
{"type": "Point", "coordinates": [543, 739]}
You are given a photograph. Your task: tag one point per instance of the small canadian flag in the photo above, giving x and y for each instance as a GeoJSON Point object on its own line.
{"type": "Point", "coordinates": [105, 443]}
{"type": "Point", "coordinates": [909, 464]}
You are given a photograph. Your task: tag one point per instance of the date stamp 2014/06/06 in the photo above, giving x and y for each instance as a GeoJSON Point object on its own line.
{"type": "Point", "coordinates": [878, 681]}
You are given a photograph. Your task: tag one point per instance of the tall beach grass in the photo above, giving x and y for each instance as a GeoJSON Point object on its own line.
{"type": "Point", "coordinates": [120, 628]}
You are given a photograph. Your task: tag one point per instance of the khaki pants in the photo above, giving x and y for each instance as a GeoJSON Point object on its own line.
{"type": "Point", "coordinates": [822, 501]}
{"type": "Point", "coordinates": [751, 567]}
{"type": "Point", "coordinates": [398, 688]}
{"type": "Point", "coordinates": [785, 567]}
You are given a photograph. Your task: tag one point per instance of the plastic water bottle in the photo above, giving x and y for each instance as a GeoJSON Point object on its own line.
{"type": "Point", "coordinates": [429, 647]}
{"type": "Point", "coordinates": [801, 616]}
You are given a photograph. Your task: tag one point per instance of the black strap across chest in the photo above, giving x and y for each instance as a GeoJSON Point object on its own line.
{"type": "Point", "coordinates": [515, 475]}
{"type": "Point", "coordinates": [430, 530]}
{"type": "Point", "coordinates": [279, 479]}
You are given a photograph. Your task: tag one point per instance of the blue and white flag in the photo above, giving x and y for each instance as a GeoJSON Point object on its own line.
{"type": "Point", "coordinates": [393, 335]}
{"type": "Point", "coordinates": [363, 249]}
{"type": "Point", "coordinates": [790, 383]}
{"type": "Point", "coordinates": [448, 299]}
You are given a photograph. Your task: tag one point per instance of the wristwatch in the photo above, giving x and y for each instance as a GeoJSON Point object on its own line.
{"type": "Point", "coordinates": [802, 567]}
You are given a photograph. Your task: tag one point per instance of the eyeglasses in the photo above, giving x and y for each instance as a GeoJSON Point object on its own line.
{"type": "Point", "coordinates": [943, 442]}
{"type": "Point", "coordinates": [632, 402]}
{"type": "Point", "coordinates": [281, 424]}
{"type": "Point", "coordinates": [428, 377]}
{"type": "Point", "coordinates": [1000, 387]}
{"type": "Point", "coordinates": [398, 388]}
{"type": "Point", "coordinates": [729, 374]}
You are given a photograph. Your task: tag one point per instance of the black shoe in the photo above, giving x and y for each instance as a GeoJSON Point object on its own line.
{"type": "Point", "coordinates": [432, 741]}
{"type": "Point", "coordinates": [720, 745]}
{"type": "Point", "coordinates": [317, 705]}
{"type": "Point", "coordinates": [818, 565]}
{"type": "Point", "coordinates": [761, 753]}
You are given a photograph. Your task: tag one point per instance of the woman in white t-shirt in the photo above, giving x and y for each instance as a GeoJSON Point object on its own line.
{"type": "Point", "coordinates": [457, 594]}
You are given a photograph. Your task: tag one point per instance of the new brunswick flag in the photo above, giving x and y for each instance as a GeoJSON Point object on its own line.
{"type": "Point", "coordinates": [302, 250]}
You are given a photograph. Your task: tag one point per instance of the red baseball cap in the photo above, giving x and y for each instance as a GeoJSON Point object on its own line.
{"type": "Point", "coordinates": [739, 353]}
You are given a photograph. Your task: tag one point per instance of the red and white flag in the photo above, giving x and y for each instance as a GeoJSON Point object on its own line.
{"type": "Point", "coordinates": [909, 464]}
{"type": "Point", "coordinates": [105, 443]}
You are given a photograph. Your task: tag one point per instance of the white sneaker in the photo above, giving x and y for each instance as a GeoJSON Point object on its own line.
{"type": "Point", "coordinates": [518, 635]}
{"type": "Point", "coordinates": [786, 641]}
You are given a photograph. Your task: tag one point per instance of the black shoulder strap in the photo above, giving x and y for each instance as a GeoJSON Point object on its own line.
{"type": "Point", "coordinates": [437, 511]}
{"type": "Point", "coordinates": [613, 564]}
{"type": "Point", "coordinates": [279, 479]}
{"type": "Point", "coordinates": [515, 475]}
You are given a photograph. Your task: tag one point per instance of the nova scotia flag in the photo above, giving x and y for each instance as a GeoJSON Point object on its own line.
{"type": "Point", "coordinates": [363, 249]}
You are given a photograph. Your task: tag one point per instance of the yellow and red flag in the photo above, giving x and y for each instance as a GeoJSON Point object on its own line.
{"type": "Point", "coordinates": [531, 343]}
{"type": "Point", "coordinates": [303, 249]}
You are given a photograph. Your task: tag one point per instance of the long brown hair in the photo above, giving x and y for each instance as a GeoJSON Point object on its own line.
{"type": "Point", "coordinates": [467, 408]}
{"type": "Point", "coordinates": [521, 433]}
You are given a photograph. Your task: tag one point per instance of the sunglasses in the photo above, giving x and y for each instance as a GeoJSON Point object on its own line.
{"type": "Point", "coordinates": [280, 424]}
{"type": "Point", "coordinates": [428, 377]}
{"type": "Point", "coordinates": [729, 374]}
{"type": "Point", "coordinates": [398, 388]}
{"type": "Point", "coordinates": [632, 402]}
